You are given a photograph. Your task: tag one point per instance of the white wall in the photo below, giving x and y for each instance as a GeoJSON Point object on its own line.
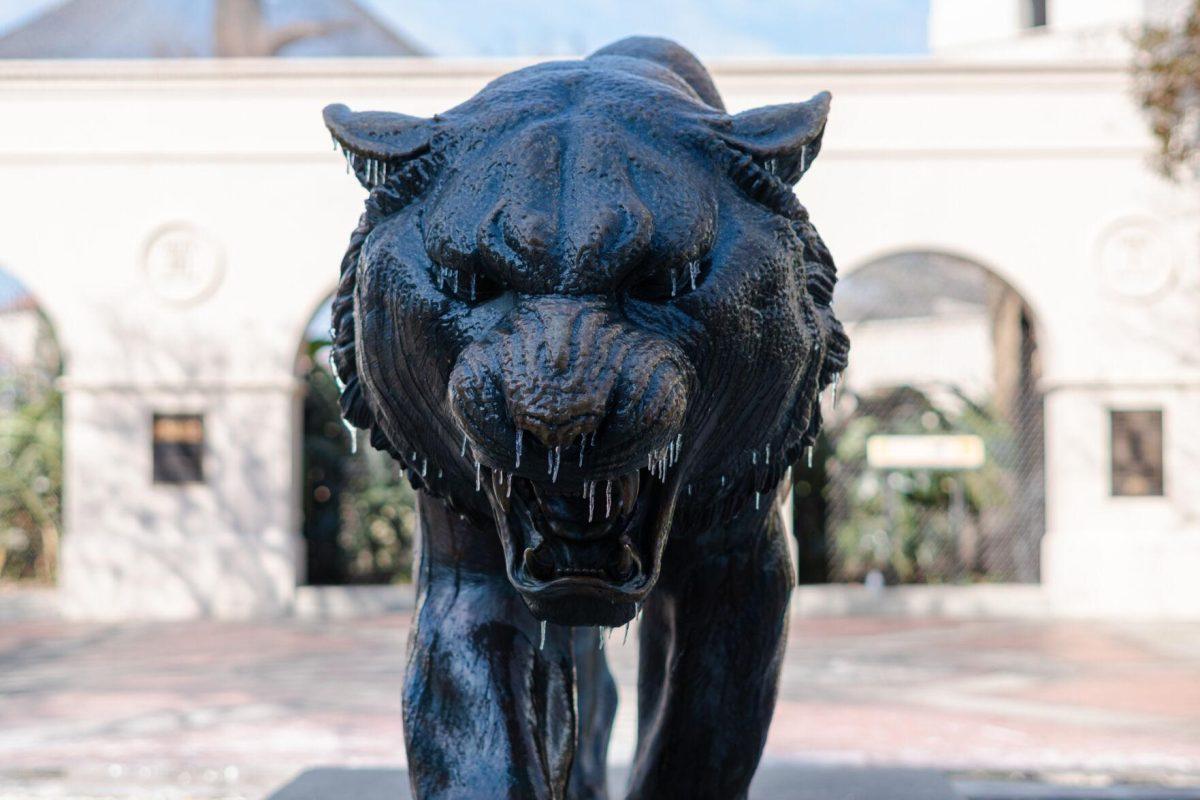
{"type": "Point", "coordinates": [1037, 171]}
{"type": "Point", "coordinates": [1000, 28]}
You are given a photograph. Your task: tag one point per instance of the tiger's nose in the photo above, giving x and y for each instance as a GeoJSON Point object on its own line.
{"type": "Point", "coordinates": [560, 432]}
{"type": "Point", "coordinates": [562, 370]}
{"type": "Point", "coordinates": [558, 374]}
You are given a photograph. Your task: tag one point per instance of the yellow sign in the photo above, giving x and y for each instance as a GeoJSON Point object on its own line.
{"type": "Point", "coordinates": [931, 451]}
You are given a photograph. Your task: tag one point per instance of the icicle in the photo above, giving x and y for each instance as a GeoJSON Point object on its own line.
{"type": "Point", "coordinates": [808, 453]}
{"type": "Point", "coordinates": [591, 500]}
{"type": "Point", "coordinates": [585, 483]}
{"type": "Point", "coordinates": [689, 490]}
{"type": "Point", "coordinates": [599, 639]}
{"type": "Point", "coordinates": [508, 490]}
{"type": "Point", "coordinates": [353, 436]}
{"type": "Point", "coordinates": [542, 643]}
{"type": "Point", "coordinates": [594, 438]}
{"type": "Point", "coordinates": [335, 142]}
{"type": "Point", "coordinates": [639, 609]}
{"type": "Point", "coordinates": [803, 147]}
{"type": "Point", "coordinates": [650, 462]}
{"type": "Point", "coordinates": [754, 457]}
{"type": "Point", "coordinates": [722, 480]}
{"type": "Point", "coordinates": [478, 475]}
{"type": "Point", "coordinates": [549, 461]}
{"type": "Point", "coordinates": [672, 283]}
{"type": "Point", "coordinates": [414, 456]}
{"type": "Point", "coordinates": [383, 172]}
{"type": "Point", "coordinates": [757, 500]}
{"type": "Point", "coordinates": [557, 463]}
{"type": "Point", "coordinates": [693, 271]}
{"type": "Point", "coordinates": [625, 636]}
{"type": "Point", "coordinates": [582, 445]}
{"type": "Point", "coordinates": [833, 383]}
{"type": "Point", "coordinates": [440, 475]}
{"type": "Point", "coordinates": [607, 498]}
{"type": "Point", "coordinates": [424, 467]}
{"type": "Point", "coordinates": [768, 459]}
{"type": "Point", "coordinates": [518, 466]}
{"type": "Point", "coordinates": [463, 451]}
{"type": "Point", "coordinates": [678, 445]}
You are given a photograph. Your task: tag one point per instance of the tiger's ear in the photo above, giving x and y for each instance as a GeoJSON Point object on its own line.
{"type": "Point", "coordinates": [783, 139]}
{"type": "Point", "coordinates": [375, 142]}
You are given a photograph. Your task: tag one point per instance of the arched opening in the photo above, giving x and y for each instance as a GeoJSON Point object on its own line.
{"type": "Point", "coordinates": [931, 469]}
{"type": "Point", "coordinates": [357, 513]}
{"type": "Point", "coordinates": [31, 439]}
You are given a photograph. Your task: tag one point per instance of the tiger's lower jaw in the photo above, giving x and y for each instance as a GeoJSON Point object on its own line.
{"type": "Point", "coordinates": [589, 561]}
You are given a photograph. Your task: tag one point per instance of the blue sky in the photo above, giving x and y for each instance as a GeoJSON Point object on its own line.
{"type": "Point", "coordinates": [709, 27]}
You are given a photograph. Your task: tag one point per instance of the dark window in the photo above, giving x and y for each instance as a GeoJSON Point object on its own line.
{"type": "Point", "coordinates": [178, 448]}
{"type": "Point", "coordinates": [1137, 453]}
{"type": "Point", "coordinates": [1037, 13]}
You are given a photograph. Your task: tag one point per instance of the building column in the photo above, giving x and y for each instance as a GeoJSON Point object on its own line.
{"type": "Point", "coordinates": [140, 545]}
{"type": "Point", "coordinates": [1111, 555]}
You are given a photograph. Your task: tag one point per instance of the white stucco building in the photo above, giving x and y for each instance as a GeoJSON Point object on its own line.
{"type": "Point", "coordinates": [180, 221]}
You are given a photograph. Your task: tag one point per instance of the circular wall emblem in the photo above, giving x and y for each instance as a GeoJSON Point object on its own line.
{"type": "Point", "coordinates": [183, 264]}
{"type": "Point", "coordinates": [1136, 259]}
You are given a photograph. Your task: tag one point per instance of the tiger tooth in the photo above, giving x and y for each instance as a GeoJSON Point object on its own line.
{"type": "Point", "coordinates": [502, 497]}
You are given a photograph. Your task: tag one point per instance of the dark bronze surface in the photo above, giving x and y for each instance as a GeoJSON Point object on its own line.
{"type": "Point", "coordinates": [587, 314]}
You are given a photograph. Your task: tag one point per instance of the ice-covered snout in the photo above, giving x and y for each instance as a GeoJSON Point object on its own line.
{"type": "Point", "coordinates": [568, 375]}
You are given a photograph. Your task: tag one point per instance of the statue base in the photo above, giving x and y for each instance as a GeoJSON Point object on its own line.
{"type": "Point", "coordinates": [774, 781]}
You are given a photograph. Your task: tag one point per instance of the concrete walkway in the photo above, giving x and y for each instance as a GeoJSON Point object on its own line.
{"type": "Point", "coordinates": [209, 710]}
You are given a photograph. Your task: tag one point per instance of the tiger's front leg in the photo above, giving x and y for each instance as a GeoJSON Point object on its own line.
{"type": "Point", "coordinates": [487, 712]}
{"type": "Point", "coordinates": [712, 641]}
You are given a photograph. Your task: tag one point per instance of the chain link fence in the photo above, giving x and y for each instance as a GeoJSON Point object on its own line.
{"type": "Point", "coordinates": [941, 348]}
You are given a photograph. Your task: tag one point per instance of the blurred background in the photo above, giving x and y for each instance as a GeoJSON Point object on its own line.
{"type": "Point", "coordinates": [1006, 498]}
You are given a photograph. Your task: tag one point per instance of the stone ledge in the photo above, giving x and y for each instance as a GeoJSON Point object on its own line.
{"type": "Point", "coordinates": [19, 604]}
{"type": "Point", "coordinates": [349, 602]}
{"type": "Point", "coordinates": [977, 601]}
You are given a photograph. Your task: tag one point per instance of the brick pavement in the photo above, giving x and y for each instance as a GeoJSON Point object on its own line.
{"type": "Point", "coordinates": [224, 710]}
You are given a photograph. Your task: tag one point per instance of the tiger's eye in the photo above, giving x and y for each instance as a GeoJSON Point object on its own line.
{"type": "Point", "coordinates": [468, 285]}
{"type": "Point", "coordinates": [667, 283]}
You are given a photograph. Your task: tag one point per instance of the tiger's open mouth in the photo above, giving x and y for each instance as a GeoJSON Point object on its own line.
{"type": "Point", "coordinates": [582, 554]}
